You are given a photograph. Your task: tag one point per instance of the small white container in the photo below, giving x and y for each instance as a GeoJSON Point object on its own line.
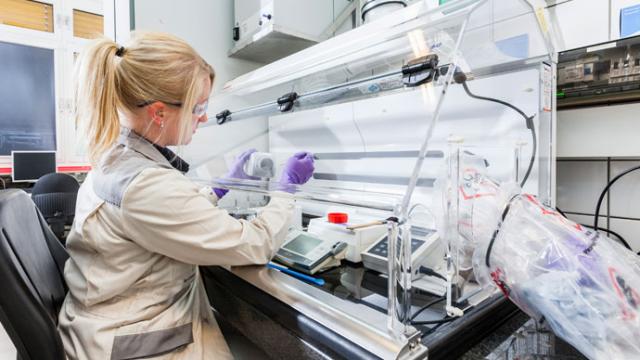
{"type": "Point", "coordinates": [260, 165]}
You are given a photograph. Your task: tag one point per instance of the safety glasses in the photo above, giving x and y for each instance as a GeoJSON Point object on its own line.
{"type": "Point", "coordinates": [199, 110]}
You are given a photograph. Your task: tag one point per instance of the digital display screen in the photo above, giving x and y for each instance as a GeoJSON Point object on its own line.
{"type": "Point", "coordinates": [302, 244]}
{"type": "Point", "coordinates": [30, 166]}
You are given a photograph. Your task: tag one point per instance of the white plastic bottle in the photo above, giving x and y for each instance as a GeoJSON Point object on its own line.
{"type": "Point", "coordinates": [260, 165]}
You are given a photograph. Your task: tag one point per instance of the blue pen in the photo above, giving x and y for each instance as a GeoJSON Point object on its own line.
{"type": "Point", "coordinates": [296, 274]}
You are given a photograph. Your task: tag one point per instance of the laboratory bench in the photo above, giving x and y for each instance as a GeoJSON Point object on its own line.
{"type": "Point", "coordinates": [291, 319]}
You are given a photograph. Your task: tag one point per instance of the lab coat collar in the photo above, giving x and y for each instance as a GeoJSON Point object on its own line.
{"type": "Point", "coordinates": [176, 161]}
{"type": "Point", "coordinates": [139, 144]}
{"type": "Point", "coordinates": [156, 153]}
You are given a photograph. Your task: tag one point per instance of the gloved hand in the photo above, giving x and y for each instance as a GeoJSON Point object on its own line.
{"type": "Point", "coordinates": [297, 170]}
{"type": "Point", "coordinates": [236, 171]}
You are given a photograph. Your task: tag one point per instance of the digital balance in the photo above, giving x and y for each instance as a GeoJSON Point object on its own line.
{"type": "Point", "coordinates": [426, 249]}
{"type": "Point", "coordinates": [310, 254]}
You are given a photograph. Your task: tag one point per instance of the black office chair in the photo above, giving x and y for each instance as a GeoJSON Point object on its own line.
{"type": "Point", "coordinates": [55, 195]}
{"type": "Point", "coordinates": [31, 272]}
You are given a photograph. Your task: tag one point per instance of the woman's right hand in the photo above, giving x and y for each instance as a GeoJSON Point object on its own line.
{"type": "Point", "coordinates": [298, 170]}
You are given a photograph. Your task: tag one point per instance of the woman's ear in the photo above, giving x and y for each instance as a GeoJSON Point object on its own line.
{"type": "Point", "coordinates": [156, 112]}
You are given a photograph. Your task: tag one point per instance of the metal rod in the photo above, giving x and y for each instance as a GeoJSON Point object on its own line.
{"type": "Point", "coordinates": [271, 107]}
{"type": "Point", "coordinates": [452, 216]}
{"type": "Point", "coordinates": [516, 165]}
{"type": "Point", "coordinates": [392, 236]}
{"type": "Point", "coordinates": [358, 155]}
{"type": "Point", "coordinates": [406, 271]}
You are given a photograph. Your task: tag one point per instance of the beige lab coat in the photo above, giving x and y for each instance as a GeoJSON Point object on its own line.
{"type": "Point", "coordinates": [141, 229]}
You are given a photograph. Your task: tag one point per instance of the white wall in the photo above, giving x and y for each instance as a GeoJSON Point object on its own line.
{"type": "Point", "coordinates": [595, 144]}
{"type": "Point", "coordinates": [206, 25]}
{"type": "Point", "coordinates": [588, 22]}
{"type": "Point", "coordinates": [582, 22]}
{"type": "Point", "coordinates": [602, 131]}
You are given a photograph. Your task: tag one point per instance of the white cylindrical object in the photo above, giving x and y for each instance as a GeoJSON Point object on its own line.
{"type": "Point", "coordinates": [260, 165]}
{"type": "Point", "coordinates": [375, 9]}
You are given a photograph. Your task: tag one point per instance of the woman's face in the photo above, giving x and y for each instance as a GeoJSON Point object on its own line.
{"type": "Point", "coordinates": [171, 133]}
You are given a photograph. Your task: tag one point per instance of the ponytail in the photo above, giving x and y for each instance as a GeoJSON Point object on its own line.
{"type": "Point", "coordinates": [96, 96]}
{"type": "Point", "coordinates": [152, 67]}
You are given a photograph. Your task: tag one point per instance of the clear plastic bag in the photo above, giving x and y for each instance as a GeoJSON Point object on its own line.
{"type": "Point", "coordinates": [585, 285]}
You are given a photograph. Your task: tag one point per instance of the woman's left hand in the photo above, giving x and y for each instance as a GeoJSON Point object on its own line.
{"type": "Point", "coordinates": [237, 171]}
{"type": "Point", "coordinates": [237, 168]}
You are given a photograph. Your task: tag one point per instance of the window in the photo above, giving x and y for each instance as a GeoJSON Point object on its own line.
{"type": "Point", "coordinates": [27, 14]}
{"type": "Point", "coordinates": [39, 42]}
{"type": "Point", "coordinates": [27, 102]}
{"type": "Point", "coordinates": [87, 25]}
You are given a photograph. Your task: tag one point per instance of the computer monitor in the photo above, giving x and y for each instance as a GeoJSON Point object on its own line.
{"type": "Point", "coordinates": [29, 166]}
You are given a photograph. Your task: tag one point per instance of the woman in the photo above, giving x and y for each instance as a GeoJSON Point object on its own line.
{"type": "Point", "coordinates": [141, 226]}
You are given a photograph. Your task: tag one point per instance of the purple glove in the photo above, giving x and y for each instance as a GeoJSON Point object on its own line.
{"type": "Point", "coordinates": [236, 171]}
{"type": "Point", "coordinates": [297, 171]}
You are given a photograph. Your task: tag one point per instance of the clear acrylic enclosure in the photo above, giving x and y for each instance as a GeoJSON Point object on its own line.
{"type": "Point", "coordinates": [382, 108]}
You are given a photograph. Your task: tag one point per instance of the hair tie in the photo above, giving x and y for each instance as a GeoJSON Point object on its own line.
{"type": "Point", "coordinates": [120, 51]}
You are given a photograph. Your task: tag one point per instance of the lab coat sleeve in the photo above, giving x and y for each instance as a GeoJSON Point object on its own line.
{"type": "Point", "coordinates": [166, 213]}
{"type": "Point", "coordinates": [208, 192]}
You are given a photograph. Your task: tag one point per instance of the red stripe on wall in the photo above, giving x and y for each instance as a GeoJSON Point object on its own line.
{"type": "Point", "coordinates": [74, 168]}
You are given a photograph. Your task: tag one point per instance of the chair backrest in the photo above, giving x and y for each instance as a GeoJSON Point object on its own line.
{"type": "Point", "coordinates": [55, 196]}
{"type": "Point", "coordinates": [31, 268]}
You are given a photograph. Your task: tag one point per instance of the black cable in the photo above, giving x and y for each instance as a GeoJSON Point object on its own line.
{"type": "Point", "coordinates": [487, 258]}
{"type": "Point", "coordinates": [461, 79]}
{"type": "Point", "coordinates": [604, 192]}
{"type": "Point", "coordinates": [622, 240]}
{"type": "Point", "coordinates": [434, 322]}
{"type": "Point", "coordinates": [426, 307]}
{"type": "Point", "coordinates": [430, 272]}
{"type": "Point", "coordinates": [430, 331]}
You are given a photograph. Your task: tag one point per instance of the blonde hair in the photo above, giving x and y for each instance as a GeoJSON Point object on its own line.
{"type": "Point", "coordinates": [151, 67]}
